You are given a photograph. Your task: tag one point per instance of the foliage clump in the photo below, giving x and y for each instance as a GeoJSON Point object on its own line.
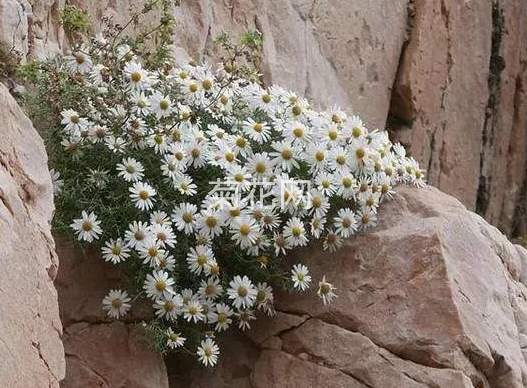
{"type": "Point", "coordinates": [199, 180]}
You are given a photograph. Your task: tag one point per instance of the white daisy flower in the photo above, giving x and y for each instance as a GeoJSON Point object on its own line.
{"type": "Point", "coordinates": [73, 123]}
{"type": "Point", "coordinates": [297, 133]}
{"type": "Point", "coordinates": [242, 292]}
{"type": "Point", "coordinates": [210, 289]}
{"type": "Point", "coordinates": [131, 170]}
{"type": "Point", "coordinates": [141, 194]}
{"type": "Point", "coordinates": [174, 340]}
{"type": "Point", "coordinates": [210, 222]}
{"type": "Point", "coordinates": [136, 76]}
{"type": "Point", "coordinates": [193, 311]}
{"type": "Point", "coordinates": [116, 303]}
{"type": "Point", "coordinates": [160, 104]}
{"type": "Point", "coordinates": [346, 184]}
{"type": "Point", "coordinates": [199, 258]}
{"type": "Point", "coordinates": [244, 317]}
{"type": "Point", "coordinates": [300, 277]}
{"type": "Point", "coordinates": [150, 251]}
{"type": "Point", "coordinates": [332, 242]}
{"type": "Point", "coordinates": [208, 352]}
{"type": "Point", "coordinates": [79, 62]}
{"type": "Point", "coordinates": [158, 142]}
{"type": "Point", "coordinates": [366, 219]}
{"type": "Point", "coordinates": [317, 226]}
{"type": "Point", "coordinates": [170, 307]}
{"type": "Point", "coordinates": [164, 234]}
{"type": "Point", "coordinates": [325, 291]}
{"type": "Point", "coordinates": [115, 251]}
{"type": "Point", "coordinates": [345, 222]}
{"type": "Point", "coordinates": [264, 297]}
{"type": "Point", "coordinates": [257, 131]}
{"type": "Point", "coordinates": [244, 231]}
{"type": "Point", "coordinates": [87, 227]}
{"type": "Point", "coordinates": [184, 216]}
{"type": "Point", "coordinates": [284, 155]}
{"type": "Point", "coordinates": [222, 318]}
{"type": "Point", "coordinates": [317, 204]}
{"type": "Point", "coordinates": [166, 262]}
{"type": "Point", "coordinates": [184, 184]}
{"type": "Point", "coordinates": [158, 285]}
{"type": "Point", "coordinates": [295, 233]}
{"type": "Point", "coordinates": [325, 183]}
{"type": "Point", "coordinates": [137, 233]}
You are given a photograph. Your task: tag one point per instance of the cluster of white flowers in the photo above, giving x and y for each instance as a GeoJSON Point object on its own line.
{"type": "Point", "coordinates": [323, 176]}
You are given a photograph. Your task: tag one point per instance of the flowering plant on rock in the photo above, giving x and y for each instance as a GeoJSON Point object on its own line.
{"type": "Point", "coordinates": [200, 181]}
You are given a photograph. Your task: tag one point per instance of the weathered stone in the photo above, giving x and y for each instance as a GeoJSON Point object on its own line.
{"type": "Point", "coordinates": [31, 354]}
{"type": "Point", "coordinates": [111, 356]}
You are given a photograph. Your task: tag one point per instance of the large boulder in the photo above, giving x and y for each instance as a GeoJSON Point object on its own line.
{"type": "Point", "coordinates": [31, 353]}
{"type": "Point", "coordinates": [433, 297]}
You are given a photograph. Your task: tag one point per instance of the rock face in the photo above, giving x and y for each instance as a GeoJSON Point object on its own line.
{"type": "Point", "coordinates": [110, 356]}
{"type": "Point", "coordinates": [433, 297]}
{"type": "Point", "coordinates": [99, 351]}
{"type": "Point", "coordinates": [445, 77]}
{"type": "Point", "coordinates": [31, 353]}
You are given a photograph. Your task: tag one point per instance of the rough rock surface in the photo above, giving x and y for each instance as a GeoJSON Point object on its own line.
{"type": "Point", "coordinates": [31, 353]}
{"type": "Point", "coordinates": [99, 351]}
{"type": "Point", "coordinates": [110, 356]}
{"type": "Point", "coordinates": [450, 76]}
{"type": "Point", "coordinates": [433, 297]}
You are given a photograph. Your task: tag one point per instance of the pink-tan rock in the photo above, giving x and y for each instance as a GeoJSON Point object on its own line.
{"type": "Point", "coordinates": [111, 356]}
{"type": "Point", "coordinates": [31, 353]}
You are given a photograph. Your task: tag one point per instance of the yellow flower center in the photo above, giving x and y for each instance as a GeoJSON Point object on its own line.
{"type": "Point", "coordinates": [193, 87]}
{"type": "Point", "coordinates": [207, 84]}
{"type": "Point", "coordinates": [164, 104]}
{"type": "Point", "coordinates": [222, 317]}
{"type": "Point", "coordinates": [139, 235]}
{"type": "Point", "coordinates": [331, 238]}
{"type": "Point", "coordinates": [346, 222]}
{"type": "Point", "coordinates": [347, 182]}
{"type": "Point", "coordinates": [161, 285]}
{"type": "Point", "coordinates": [229, 157]}
{"type": "Point", "coordinates": [235, 212]}
{"type": "Point", "coordinates": [211, 221]}
{"type": "Point", "coordinates": [75, 119]}
{"type": "Point", "coordinates": [242, 291]}
{"type": "Point", "coordinates": [333, 135]}
{"type": "Point", "coordinates": [195, 153]}
{"type": "Point", "coordinates": [210, 289]}
{"type": "Point", "coordinates": [188, 217]}
{"type": "Point", "coordinates": [239, 177]}
{"type": "Point", "coordinates": [258, 127]}
{"type": "Point", "coordinates": [117, 303]}
{"type": "Point", "coordinates": [179, 155]}
{"type": "Point", "coordinates": [144, 195]}
{"type": "Point", "coordinates": [320, 156]}
{"type": "Point", "coordinates": [260, 297]}
{"type": "Point", "coordinates": [260, 167]}
{"type": "Point", "coordinates": [87, 226]}
{"type": "Point", "coordinates": [174, 337]}
{"type": "Point", "coordinates": [245, 230]}
{"type": "Point", "coordinates": [361, 153]}
{"type": "Point", "coordinates": [116, 250]}
{"type": "Point", "coordinates": [336, 118]}
{"type": "Point", "coordinates": [202, 260]}
{"type": "Point", "coordinates": [169, 305]}
{"type": "Point", "coordinates": [224, 99]}
{"type": "Point", "coordinates": [158, 139]}
{"type": "Point", "coordinates": [356, 132]}
{"type": "Point", "coordinates": [341, 159]}
{"type": "Point", "coordinates": [135, 77]}
{"type": "Point", "coordinates": [317, 202]}
{"type": "Point", "coordinates": [215, 270]}
{"type": "Point", "coordinates": [365, 219]}
{"type": "Point", "coordinates": [80, 59]}
{"type": "Point", "coordinates": [297, 111]}
{"type": "Point", "coordinates": [298, 132]}
{"type": "Point", "coordinates": [241, 142]}
{"type": "Point", "coordinates": [297, 231]}
{"type": "Point", "coordinates": [266, 98]}
{"type": "Point", "coordinates": [324, 289]}
{"type": "Point", "coordinates": [287, 154]}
